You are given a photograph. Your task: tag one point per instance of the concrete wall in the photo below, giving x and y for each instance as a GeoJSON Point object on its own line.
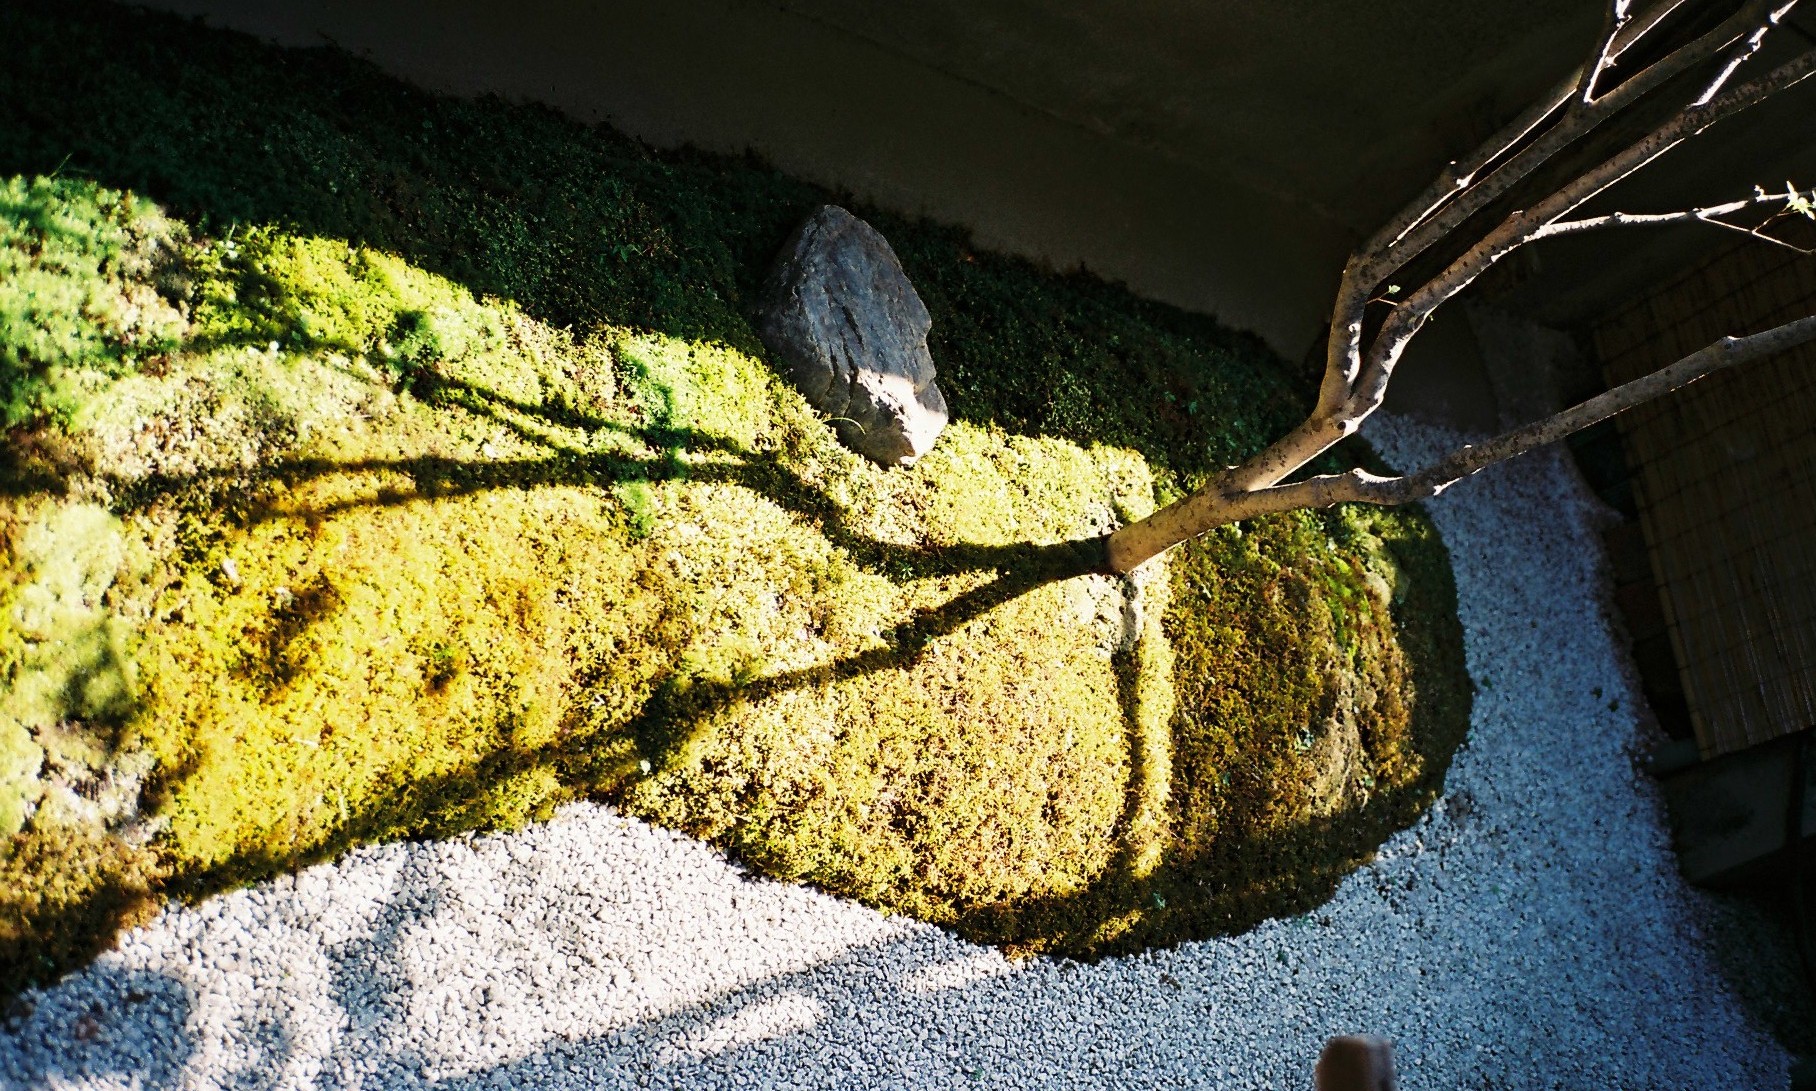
{"type": "Point", "coordinates": [1221, 155]}
{"type": "Point", "coordinates": [839, 109]}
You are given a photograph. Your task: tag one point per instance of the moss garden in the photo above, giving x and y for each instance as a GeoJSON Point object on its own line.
{"type": "Point", "coordinates": [383, 465]}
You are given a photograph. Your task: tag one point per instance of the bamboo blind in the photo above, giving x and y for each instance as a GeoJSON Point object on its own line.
{"type": "Point", "coordinates": [1725, 476]}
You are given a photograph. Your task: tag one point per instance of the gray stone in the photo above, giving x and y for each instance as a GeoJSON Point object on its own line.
{"type": "Point", "coordinates": [851, 334]}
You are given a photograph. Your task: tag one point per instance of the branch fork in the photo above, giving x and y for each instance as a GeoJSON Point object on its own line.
{"type": "Point", "coordinates": [1359, 366]}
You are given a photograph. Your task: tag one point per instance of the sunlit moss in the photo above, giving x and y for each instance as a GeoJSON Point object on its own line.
{"type": "Point", "coordinates": [365, 556]}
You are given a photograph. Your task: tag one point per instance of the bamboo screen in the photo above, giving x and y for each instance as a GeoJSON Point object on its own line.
{"type": "Point", "coordinates": [1725, 476]}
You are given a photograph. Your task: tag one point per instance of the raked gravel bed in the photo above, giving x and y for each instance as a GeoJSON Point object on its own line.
{"type": "Point", "coordinates": [1531, 931]}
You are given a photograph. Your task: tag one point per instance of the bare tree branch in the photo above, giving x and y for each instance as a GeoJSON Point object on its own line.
{"type": "Point", "coordinates": [1726, 353]}
{"type": "Point", "coordinates": [1355, 386]}
{"type": "Point", "coordinates": [1519, 228]}
{"type": "Point", "coordinates": [1644, 219]}
{"type": "Point", "coordinates": [1754, 16]}
{"type": "Point", "coordinates": [1205, 510]}
{"type": "Point", "coordinates": [1459, 192]}
{"type": "Point", "coordinates": [1356, 375]}
{"type": "Point", "coordinates": [1462, 175]}
{"type": "Point", "coordinates": [1743, 51]}
{"type": "Point", "coordinates": [1615, 18]}
{"type": "Point", "coordinates": [1790, 199]}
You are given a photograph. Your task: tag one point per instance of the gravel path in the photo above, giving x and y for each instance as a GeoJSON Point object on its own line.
{"type": "Point", "coordinates": [1530, 932]}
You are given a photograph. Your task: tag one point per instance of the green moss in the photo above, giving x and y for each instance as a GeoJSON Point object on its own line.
{"type": "Point", "coordinates": [463, 490]}
{"type": "Point", "coordinates": [20, 759]}
{"type": "Point", "coordinates": [79, 298]}
{"type": "Point", "coordinates": [67, 661]}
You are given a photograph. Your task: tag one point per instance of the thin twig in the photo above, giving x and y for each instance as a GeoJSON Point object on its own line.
{"type": "Point", "coordinates": [1650, 219]}
{"type": "Point", "coordinates": [1520, 228]}
{"type": "Point", "coordinates": [1760, 234]}
{"type": "Point", "coordinates": [1614, 19]}
{"type": "Point", "coordinates": [1741, 52]}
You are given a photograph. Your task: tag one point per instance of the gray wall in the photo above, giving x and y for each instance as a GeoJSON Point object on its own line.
{"type": "Point", "coordinates": [836, 108]}
{"type": "Point", "coordinates": [1222, 155]}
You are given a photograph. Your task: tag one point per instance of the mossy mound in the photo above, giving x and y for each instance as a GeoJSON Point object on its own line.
{"type": "Point", "coordinates": [407, 513]}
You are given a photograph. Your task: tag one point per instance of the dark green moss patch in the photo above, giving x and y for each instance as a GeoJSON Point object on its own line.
{"type": "Point", "coordinates": [446, 483]}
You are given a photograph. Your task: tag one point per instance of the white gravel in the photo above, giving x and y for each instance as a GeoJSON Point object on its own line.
{"type": "Point", "coordinates": [1530, 932]}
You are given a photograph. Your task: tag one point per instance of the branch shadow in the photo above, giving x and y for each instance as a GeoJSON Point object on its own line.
{"type": "Point", "coordinates": [597, 765]}
{"type": "Point", "coordinates": [1189, 896]}
{"type": "Point", "coordinates": [1124, 908]}
{"type": "Point", "coordinates": [581, 228]}
{"type": "Point", "coordinates": [586, 764]}
{"type": "Point", "coordinates": [435, 477]}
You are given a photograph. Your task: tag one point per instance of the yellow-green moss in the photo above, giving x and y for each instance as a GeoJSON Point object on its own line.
{"type": "Point", "coordinates": [349, 549]}
{"type": "Point", "coordinates": [78, 298]}
{"type": "Point", "coordinates": [367, 558]}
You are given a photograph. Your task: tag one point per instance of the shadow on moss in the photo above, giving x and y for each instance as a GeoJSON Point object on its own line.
{"type": "Point", "coordinates": [1256, 874]}
{"type": "Point", "coordinates": [1195, 891]}
{"type": "Point", "coordinates": [585, 228]}
{"type": "Point", "coordinates": [582, 228]}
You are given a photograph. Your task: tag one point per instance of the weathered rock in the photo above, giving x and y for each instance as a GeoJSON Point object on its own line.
{"type": "Point", "coordinates": [852, 334]}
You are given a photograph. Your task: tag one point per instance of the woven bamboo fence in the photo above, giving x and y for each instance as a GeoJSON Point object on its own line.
{"type": "Point", "coordinates": [1725, 477]}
